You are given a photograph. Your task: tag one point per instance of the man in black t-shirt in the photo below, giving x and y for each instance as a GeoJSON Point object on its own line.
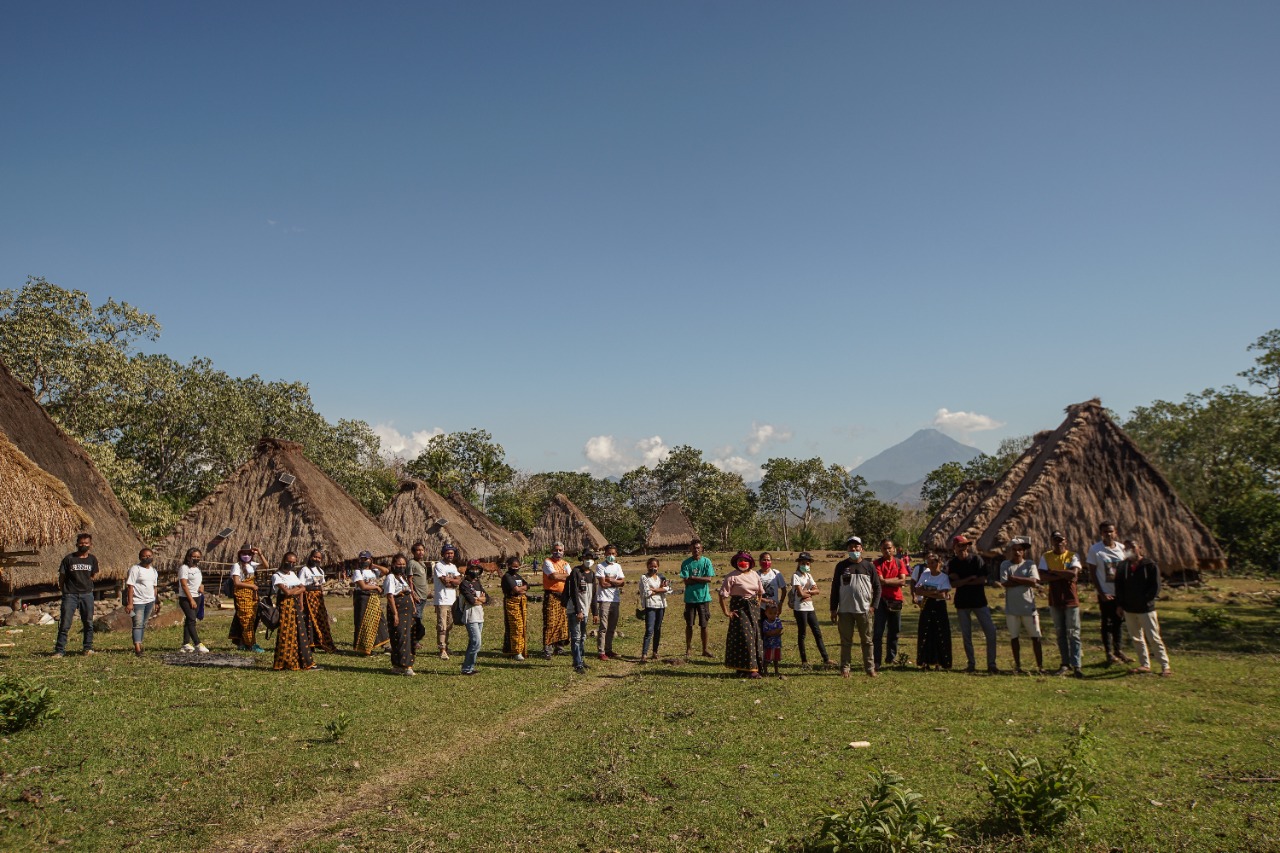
{"type": "Point", "coordinates": [75, 579]}
{"type": "Point", "coordinates": [968, 576]}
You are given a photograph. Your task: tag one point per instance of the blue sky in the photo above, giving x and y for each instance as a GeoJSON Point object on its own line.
{"type": "Point", "coordinates": [599, 230]}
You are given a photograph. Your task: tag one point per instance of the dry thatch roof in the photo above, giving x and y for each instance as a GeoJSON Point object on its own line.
{"type": "Point", "coordinates": [36, 509]}
{"type": "Point", "coordinates": [414, 515]}
{"type": "Point", "coordinates": [508, 542]}
{"type": "Point", "coordinates": [311, 512]}
{"type": "Point", "coordinates": [564, 522]}
{"type": "Point", "coordinates": [957, 507]}
{"type": "Point", "coordinates": [32, 431]}
{"type": "Point", "coordinates": [671, 530]}
{"type": "Point", "coordinates": [1084, 472]}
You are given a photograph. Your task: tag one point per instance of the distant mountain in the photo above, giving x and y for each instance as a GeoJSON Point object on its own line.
{"type": "Point", "coordinates": [897, 473]}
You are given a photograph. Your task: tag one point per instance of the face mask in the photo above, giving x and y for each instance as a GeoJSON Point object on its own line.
{"type": "Point", "coordinates": [855, 555]}
{"type": "Point", "coordinates": [82, 549]}
{"type": "Point", "coordinates": [766, 564]}
{"type": "Point", "coordinates": [148, 561]}
{"type": "Point", "coordinates": [246, 559]}
{"type": "Point", "coordinates": [291, 566]}
{"type": "Point", "coordinates": [588, 563]}
{"type": "Point", "coordinates": [611, 559]}
{"type": "Point", "coordinates": [557, 555]}
{"type": "Point", "coordinates": [193, 563]}
{"type": "Point", "coordinates": [743, 564]}
{"type": "Point", "coordinates": [312, 563]}
{"type": "Point", "coordinates": [804, 567]}
{"type": "Point", "coordinates": [1131, 555]}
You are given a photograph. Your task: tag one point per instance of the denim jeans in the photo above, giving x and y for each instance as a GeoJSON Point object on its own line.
{"type": "Point", "coordinates": [72, 603]}
{"type": "Point", "coordinates": [577, 638]}
{"type": "Point", "coordinates": [652, 629]}
{"type": "Point", "coordinates": [891, 619]}
{"type": "Point", "coordinates": [808, 619]}
{"type": "Point", "coordinates": [964, 616]}
{"type": "Point", "coordinates": [474, 630]}
{"type": "Point", "coordinates": [190, 632]}
{"type": "Point", "coordinates": [1066, 627]}
{"type": "Point", "coordinates": [141, 613]}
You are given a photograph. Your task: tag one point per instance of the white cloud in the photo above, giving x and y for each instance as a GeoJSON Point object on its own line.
{"type": "Point", "coordinates": [606, 455]}
{"type": "Point", "coordinates": [749, 470]}
{"type": "Point", "coordinates": [396, 443]}
{"type": "Point", "coordinates": [961, 424]}
{"type": "Point", "coordinates": [763, 434]}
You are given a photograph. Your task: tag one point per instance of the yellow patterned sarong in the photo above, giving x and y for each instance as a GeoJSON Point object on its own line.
{"type": "Point", "coordinates": [293, 645]}
{"type": "Point", "coordinates": [244, 625]}
{"type": "Point", "coordinates": [515, 640]}
{"type": "Point", "coordinates": [373, 626]}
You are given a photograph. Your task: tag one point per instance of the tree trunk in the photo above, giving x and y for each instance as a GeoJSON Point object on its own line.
{"type": "Point", "coordinates": [786, 540]}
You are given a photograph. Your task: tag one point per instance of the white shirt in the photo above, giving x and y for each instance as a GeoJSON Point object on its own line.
{"type": "Point", "coordinates": [392, 585]}
{"type": "Point", "coordinates": [244, 571]}
{"type": "Point", "coordinates": [312, 577]}
{"type": "Point", "coordinates": [803, 581]}
{"type": "Point", "coordinates": [193, 576]}
{"type": "Point", "coordinates": [650, 597]}
{"type": "Point", "coordinates": [285, 579]}
{"type": "Point", "coordinates": [612, 571]}
{"type": "Point", "coordinates": [366, 575]}
{"type": "Point", "coordinates": [1105, 560]}
{"type": "Point", "coordinates": [940, 582]}
{"type": "Point", "coordinates": [444, 596]}
{"type": "Point", "coordinates": [143, 580]}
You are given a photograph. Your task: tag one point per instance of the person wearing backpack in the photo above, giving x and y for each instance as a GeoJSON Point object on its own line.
{"type": "Point", "coordinates": [472, 594]}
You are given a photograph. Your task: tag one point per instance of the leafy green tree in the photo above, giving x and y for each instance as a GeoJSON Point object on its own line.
{"type": "Point", "coordinates": [715, 500]}
{"type": "Point", "coordinates": [868, 517]}
{"type": "Point", "coordinates": [803, 488]}
{"type": "Point", "coordinates": [469, 461]}
{"type": "Point", "coordinates": [941, 483]}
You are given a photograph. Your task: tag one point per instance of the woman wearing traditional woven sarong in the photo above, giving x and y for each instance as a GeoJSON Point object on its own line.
{"type": "Point", "coordinates": [244, 593]}
{"type": "Point", "coordinates": [367, 606]}
{"type": "Point", "coordinates": [740, 594]}
{"type": "Point", "coordinates": [401, 611]}
{"type": "Point", "coordinates": [555, 624]}
{"type": "Point", "coordinates": [314, 610]}
{"type": "Point", "coordinates": [931, 587]}
{"type": "Point", "coordinates": [293, 641]}
{"type": "Point", "coordinates": [515, 606]}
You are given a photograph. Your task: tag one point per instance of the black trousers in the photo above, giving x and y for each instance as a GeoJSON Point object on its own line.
{"type": "Point", "coordinates": [809, 619]}
{"type": "Point", "coordinates": [1112, 623]}
{"type": "Point", "coordinates": [886, 618]}
{"type": "Point", "coordinates": [190, 632]}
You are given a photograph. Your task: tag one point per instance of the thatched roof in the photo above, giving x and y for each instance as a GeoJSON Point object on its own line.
{"type": "Point", "coordinates": [671, 530]}
{"type": "Point", "coordinates": [32, 431]}
{"type": "Point", "coordinates": [36, 510]}
{"type": "Point", "coordinates": [311, 512]}
{"type": "Point", "coordinates": [957, 507]}
{"type": "Point", "coordinates": [414, 515]}
{"type": "Point", "coordinates": [1084, 472]}
{"type": "Point", "coordinates": [564, 522]}
{"type": "Point", "coordinates": [508, 542]}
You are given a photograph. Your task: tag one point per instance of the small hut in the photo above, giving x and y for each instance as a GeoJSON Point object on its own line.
{"type": "Point", "coordinates": [1073, 478]}
{"type": "Point", "coordinates": [418, 514]}
{"type": "Point", "coordinates": [115, 542]}
{"type": "Point", "coordinates": [564, 522]}
{"type": "Point", "coordinates": [671, 531]}
{"type": "Point", "coordinates": [508, 542]}
{"type": "Point", "coordinates": [278, 500]}
{"type": "Point", "coordinates": [958, 506]}
{"type": "Point", "coordinates": [36, 510]}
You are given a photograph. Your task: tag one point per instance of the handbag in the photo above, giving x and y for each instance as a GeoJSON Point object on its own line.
{"type": "Point", "coordinates": [268, 614]}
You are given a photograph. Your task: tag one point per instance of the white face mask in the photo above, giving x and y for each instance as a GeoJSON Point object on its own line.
{"type": "Point", "coordinates": [588, 563]}
{"type": "Point", "coordinates": [1130, 555]}
{"type": "Point", "coordinates": [611, 559]}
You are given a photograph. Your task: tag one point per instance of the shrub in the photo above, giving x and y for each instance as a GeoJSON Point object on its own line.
{"type": "Point", "coordinates": [890, 820]}
{"type": "Point", "coordinates": [1034, 796]}
{"type": "Point", "coordinates": [1215, 619]}
{"type": "Point", "coordinates": [24, 702]}
{"type": "Point", "coordinates": [337, 728]}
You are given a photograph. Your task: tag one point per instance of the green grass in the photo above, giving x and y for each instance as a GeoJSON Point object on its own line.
{"type": "Point", "coordinates": [659, 757]}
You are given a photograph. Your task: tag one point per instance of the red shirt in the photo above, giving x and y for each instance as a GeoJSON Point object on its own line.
{"type": "Point", "coordinates": [888, 568]}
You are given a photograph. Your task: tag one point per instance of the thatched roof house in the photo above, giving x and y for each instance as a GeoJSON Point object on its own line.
{"type": "Point", "coordinates": [1074, 477]}
{"type": "Point", "coordinates": [415, 515]}
{"type": "Point", "coordinates": [564, 522]}
{"type": "Point", "coordinates": [36, 510]}
{"type": "Point", "coordinates": [671, 531]}
{"type": "Point", "coordinates": [33, 432]}
{"type": "Point", "coordinates": [279, 501]}
{"type": "Point", "coordinates": [955, 510]}
{"type": "Point", "coordinates": [508, 542]}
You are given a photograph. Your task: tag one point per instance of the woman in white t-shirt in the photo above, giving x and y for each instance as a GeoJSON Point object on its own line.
{"type": "Point", "coordinates": [654, 590]}
{"type": "Point", "coordinates": [244, 592]}
{"type": "Point", "coordinates": [314, 609]}
{"type": "Point", "coordinates": [931, 587]}
{"type": "Point", "coordinates": [402, 609]}
{"type": "Point", "coordinates": [474, 599]}
{"type": "Point", "coordinates": [191, 600]}
{"type": "Point", "coordinates": [140, 596]}
{"type": "Point", "coordinates": [293, 643]}
{"type": "Point", "coordinates": [368, 605]}
{"type": "Point", "coordinates": [803, 590]}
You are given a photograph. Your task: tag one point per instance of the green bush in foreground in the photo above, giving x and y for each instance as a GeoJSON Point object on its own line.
{"type": "Point", "coordinates": [1038, 797]}
{"type": "Point", "coordinates": [891, 820]}
{"type": "Point", "coordinates": [24, 702]}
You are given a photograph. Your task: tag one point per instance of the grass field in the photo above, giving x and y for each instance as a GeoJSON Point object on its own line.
{"type": "Point", "coordinates": [668, 756]}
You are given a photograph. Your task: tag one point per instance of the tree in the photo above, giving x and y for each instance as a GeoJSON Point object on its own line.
{"type": "Point", "coordinates": [715, 500]}
{"type": "Point", "coordinates": [941, 483]}
{"type": "Point", "coordinates": [870, 519]}
{"type": "Point", "coordinates": [800, 488]}
{"type": "Point", "coordinates": [469, 461]}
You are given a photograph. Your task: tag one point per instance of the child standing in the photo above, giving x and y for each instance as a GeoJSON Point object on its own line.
{"type": "Point", "coordinates": [772, 632]}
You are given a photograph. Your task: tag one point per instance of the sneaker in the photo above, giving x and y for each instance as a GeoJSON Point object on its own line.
{"type": "Point", "coordinates": [202, 649]}
{"type": "Point", "coordinates": [546, 654]}
{"type": "Point", "coordinates": [1077, 673]}
{"type": "Point", "coordinates": [59, 654]}
{"type": "Point", "coordinates": [88, 652]}
{"type": "Point", "coordinates": [603, 656]}
{"type": "Point", "coordinates": [581, 670]}
{"type": "Point", "coordinates": [187, 647]}
{"type": "Point", "coordinates": [1063, 670]}
{"type": "Point", "coordinates": [519, 657]}
{"type": "Point", "coordinates": [444, 655]}
{"type": "Point", "coordinates": [468, 672]}
{"type": "Point", "coordinates": [257, 649]}
{"type": "Point", "coordinates": [408, 671]}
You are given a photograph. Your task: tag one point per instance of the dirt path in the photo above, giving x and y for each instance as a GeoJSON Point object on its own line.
{"type": "Point", "coordinates": [332, 807]}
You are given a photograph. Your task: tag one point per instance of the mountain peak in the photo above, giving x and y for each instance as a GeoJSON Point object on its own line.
{"type": "Point", "coordinates": [910, 460]}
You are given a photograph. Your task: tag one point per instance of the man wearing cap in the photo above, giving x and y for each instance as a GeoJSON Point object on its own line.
{"type": "Point", "coordinates": [855, 594]}
{"type": "Point", "coordinates": [968, 575]}
{"type": "Point", "coordinates": [1020, 577]}
{"type": "Point", "coordinates": [895, 573]}
{"type": "Point", "coordinates": [576, 597]}
{"type": "Point", "coordinates": [1105, 556]}
{"type": "Point", "coordinates": [697, 573]}
{"type": "Point", "coordinates": [1137, 588]}
{"type": "Point", "coordinates": [555, 624]}
{"type": "Point", "coordinates": [445, 581]}
{"type": "Point", "coordinates": [609, 584]}
{"type": "Point", "coordinates": [1061, 568]}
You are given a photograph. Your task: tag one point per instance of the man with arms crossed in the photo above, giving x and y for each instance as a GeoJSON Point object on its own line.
{"type": "Point", "coordinates": [697, 573]}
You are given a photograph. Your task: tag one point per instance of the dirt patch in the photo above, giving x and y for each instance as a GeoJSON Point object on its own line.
{"type": "Point", "coordinates": [211, 659]}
